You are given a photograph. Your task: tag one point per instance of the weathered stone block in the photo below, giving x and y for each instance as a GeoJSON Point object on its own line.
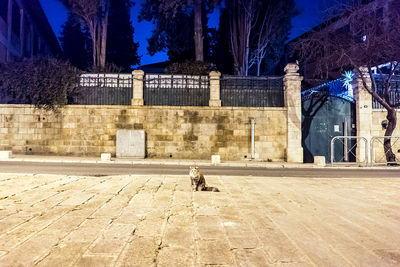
{"type": "Point", "coordinates": [131, 143]}
{"type": "Point", "coordinates": [319, 161]}
{"type": "Point", "coordinates": [215, 159]}
{"type": "Point", "coordinates": [105, 156]}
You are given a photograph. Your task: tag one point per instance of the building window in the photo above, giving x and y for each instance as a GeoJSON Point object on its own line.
{"type": "Point", "coordinates": [4, 9]}
{"type": "Point", "coordinates": [16, 19]}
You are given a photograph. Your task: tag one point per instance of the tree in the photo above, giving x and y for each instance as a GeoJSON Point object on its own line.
{"type": "Point", "coordinates": [173, 35]}
{"type": "Point", "coordinates": [243, 15]}
{"type": "Point", "coordinates": [258, 29]}
{"type": "Point", "coordinates": [189, 68]}
{"type": "Point", "coordinates": [94, 14]}
{"type": "Point", "coordinates": [367, 42]}
{"type": "Point", "coordinates": [161, 11]}
{"type": "Point", "coordinates": [75, 43]}
{"type": "Point", "coordinates": [121, 48]}
{"type": "Point", "coordinates": [45, 82]}
{"type": "Point", "coordinates": [271, 31]}
{"type": "Point", "coordinates": [222, 56]}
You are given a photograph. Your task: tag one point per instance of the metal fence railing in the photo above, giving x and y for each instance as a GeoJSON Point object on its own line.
{"type": "Point", "coordinates": [348, 145]}
{"type": "Point", "coordinates": [176, 90]}
{"type": "Point", "coordinates": [394, 94]}
{"type": "Point", "coordinates": [103, 89]}
{"type": "Point", "coordinates": [237, 91]}
{"type": "Point", "coordinates": [378, 152]}
{"type": "Point", "coordinates": [171, 90]}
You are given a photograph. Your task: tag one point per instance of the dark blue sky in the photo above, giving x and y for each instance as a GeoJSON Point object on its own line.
{"type": "Point", "coordinates": [56, 13]}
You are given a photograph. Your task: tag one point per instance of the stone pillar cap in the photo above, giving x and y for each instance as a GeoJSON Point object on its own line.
{"type": "Point", "coordinates": [215, 73]}
{"type": "Point", "coordinates": [138, 72]}
{"type": "Point", "coordinates": [291, 68]}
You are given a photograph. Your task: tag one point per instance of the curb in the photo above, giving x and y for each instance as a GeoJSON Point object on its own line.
{"type": "Point", "coordinates": [207, 164]}
{"type": "Point", "coordinates": [179, 163]}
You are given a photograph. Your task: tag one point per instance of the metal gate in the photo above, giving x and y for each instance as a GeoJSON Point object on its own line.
{"type": "Point", "coordinates": [324, 117]}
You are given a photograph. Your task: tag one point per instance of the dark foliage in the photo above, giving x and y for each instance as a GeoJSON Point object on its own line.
{"type": "Point", "coordinates": [190, 68]}
{"type": "Point", "coordinates": [174, 28]}
{"type": "Point", "coordinates": [222, 57]}
{"type": "Point", "coordinates": [76, 43]}
{"type": "Point", "coordinates": [122, 51]}
{"type": "Point", "coordinates": [171, 35]}
{"type": "Point", "coordinates": [46, 83]}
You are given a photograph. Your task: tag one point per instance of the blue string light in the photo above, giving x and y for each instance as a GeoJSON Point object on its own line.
{"type": "Point", "coordinates": [341, 88]}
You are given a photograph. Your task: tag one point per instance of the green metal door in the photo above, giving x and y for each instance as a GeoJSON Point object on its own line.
{"type": "Point", "coordinates": [324, 117]}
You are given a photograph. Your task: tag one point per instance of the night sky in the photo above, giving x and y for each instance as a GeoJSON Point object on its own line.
{"type": "Point", "coordinates": [57, 14]}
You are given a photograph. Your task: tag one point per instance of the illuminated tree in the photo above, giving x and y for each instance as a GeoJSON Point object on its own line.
{"type": "Point", "coordinates": [257, 28]}
{"type": "Point", "coordinates": [271, 32]}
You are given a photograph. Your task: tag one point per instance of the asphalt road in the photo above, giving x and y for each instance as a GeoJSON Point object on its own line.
{"type": "Point", "coordinates": [81, 169]}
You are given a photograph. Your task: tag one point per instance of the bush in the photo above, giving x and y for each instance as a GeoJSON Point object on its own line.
{"type": "Point", "coordinates": [190, 68]}
{"type": "Point", "coordinates": [45, 82]}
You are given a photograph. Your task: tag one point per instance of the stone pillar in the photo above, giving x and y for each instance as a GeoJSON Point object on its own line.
{"type": "Point", "coordinates": [137, 99]}
{"type": "Point", "coordinates": [215, 99]}
{"type": "Point", "coordinates": [292, 88]}
{"type": "Point", "coordinates": [363, 101]}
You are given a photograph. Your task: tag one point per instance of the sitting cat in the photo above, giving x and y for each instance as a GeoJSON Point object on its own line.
{"type": "Point", "coordinates": [198, 181]}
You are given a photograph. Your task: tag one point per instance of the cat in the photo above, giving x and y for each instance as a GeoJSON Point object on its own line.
{"type": "Point", "coordinates": [198, 181]}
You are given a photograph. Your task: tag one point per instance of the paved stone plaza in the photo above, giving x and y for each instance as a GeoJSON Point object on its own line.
{"type": "Point", "coordinates": [48, 220]}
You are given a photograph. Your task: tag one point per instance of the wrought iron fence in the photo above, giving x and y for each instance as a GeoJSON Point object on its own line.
{"type": "Point", "coordinates": [237, 91]}
{"type": "Point", "coordinates": [394, 94]}
{"type": "Point", "coordinates": [103, 89]}
{"type": "Point", "coordinates": [176, 90]}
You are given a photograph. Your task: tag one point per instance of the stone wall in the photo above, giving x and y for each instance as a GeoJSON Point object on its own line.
{"type": "Point", "coordinates": [177, 132]}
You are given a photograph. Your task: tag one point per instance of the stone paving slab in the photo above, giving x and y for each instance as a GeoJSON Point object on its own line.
{"type": "Point", "coordinates": [55, 220]}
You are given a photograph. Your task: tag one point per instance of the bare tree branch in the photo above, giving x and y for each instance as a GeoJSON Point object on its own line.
{"type": "Point", "coordinates": [362, 37]}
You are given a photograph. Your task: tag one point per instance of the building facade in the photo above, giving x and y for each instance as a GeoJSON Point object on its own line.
{"type": "Point", "coordinates": [25, 31]}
